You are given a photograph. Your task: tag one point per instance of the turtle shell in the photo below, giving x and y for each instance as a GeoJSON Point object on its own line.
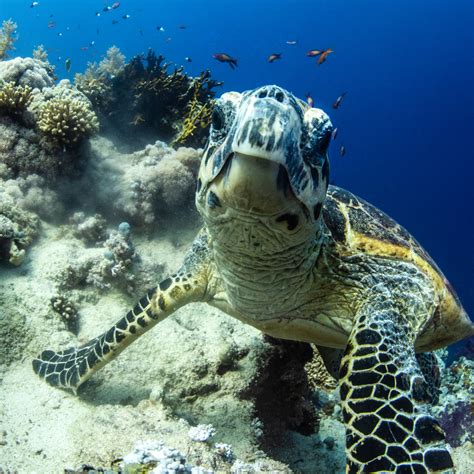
{"type": "Point", "coordinates": [357, 226]}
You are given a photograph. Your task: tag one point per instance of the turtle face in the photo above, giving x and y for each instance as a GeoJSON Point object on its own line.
{"type": "Point", "coordinates": [267, 154]}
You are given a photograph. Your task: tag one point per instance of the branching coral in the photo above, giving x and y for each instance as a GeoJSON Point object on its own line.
{"type": "Point", "coordinates": [67, 121]}
{"type": "Point", "coordinates": [147, 96]}
{"type": "Point", "coordinates": [198, 116]}
{"type": "Point", "coordinates": [40, 53]}
{"type": "Point", "coordinates": [14, 100]}
{"type": "Point", "coordinates": [7, 38]}
{"type": "Point", "coordinates": [113, 63]}
{"type": "Point", "coordinates": [95, 82]}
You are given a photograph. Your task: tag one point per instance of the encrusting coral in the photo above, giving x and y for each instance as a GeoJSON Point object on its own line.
{"type": "Point", "coordinates": [66, 120]}
{"type": "Point", "coordinates": [14, 100]}
{"type": "Point", "coordinates": [7, 38]}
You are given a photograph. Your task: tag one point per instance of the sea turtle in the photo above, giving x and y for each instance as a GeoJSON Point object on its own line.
{"type": "Point", "coordinates": [298, 259]}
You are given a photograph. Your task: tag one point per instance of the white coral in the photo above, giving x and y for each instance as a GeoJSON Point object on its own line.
{"type": "Point", "coordinates": [26, 72]}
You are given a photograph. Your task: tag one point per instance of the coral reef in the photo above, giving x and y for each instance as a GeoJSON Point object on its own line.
{"type": "Point", "coordinates": [42, 131]}
{"type": "Point", "coordinates": [144, 96]}
{"type": "Point", "coordinates": [66, 309]}
{"type": "Point", "coordinates": [197, 118]}
{"type": "Point", "coordinates": [318, 376]}
{"type": "Point", "coordinates": [455, 408]}
{"type": "Point", "coordinates": [66, 120]}
{"type": "Point", "coordinates": [18, 228]}
{"type": "Point", "coordinates": [30, 193]}
{"type": "Point", "coordinates": [143, 188]}
{"type": "Point", "coordinates": [7, 37]}
{"type": "Point", "coordinates": [113, 63]}
{"type": "Point", "coordinates": [103, 267]}
{"type": "Point", "coordinates": [34, 73]}
{"type": "Point", "coordinates": [91, 229]}
{"type": "Point", "coordinates": [14, 100]}
{"type": "Point", "coordinates": [26, 152]}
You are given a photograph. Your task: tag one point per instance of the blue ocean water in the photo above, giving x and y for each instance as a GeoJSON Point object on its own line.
{"type": "Point", "coordinates": [407, 121]}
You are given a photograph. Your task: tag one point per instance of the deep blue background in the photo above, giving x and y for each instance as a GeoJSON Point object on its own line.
{"type": "Point", "coordinates": [407, 66]}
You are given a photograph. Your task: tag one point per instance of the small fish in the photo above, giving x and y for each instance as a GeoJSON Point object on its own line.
{"type": "Point", "coordinates": [291, 42]}
{"type": "Point", "coordinates": [338, 101]}
{"type": "Point", "coordinates": [34, 4]}
{"type": "Point", "coordinates": [324, 55]}
{"type": "Point", "coordinates": [342, 150]}
{"type": "Point", "coordinates": [97, 13]}
{"type": "Point", "coordinates": [84, 48]}
{"type": "Point", "coordinates": [60, 34]}
{"type": "Point", "coordinates": [126, 16]}
{"type": "Point", "coordinates": [168, 39]}
{"type": "Point", "coordinates": [188, 59]}
{"type": "Point", "coordinates": [273, 57]}
{"type": "Point", "coordinates": [334, 134]}
{"type": "Point", "coordinates": [67, 64]}
{"type": "Point", "coordinates": [106, 9]}
{"type": "Point", "coordinates": [182, 27]}
{"type": "Point", "coordinates": [92, 43]}
{"type": "Point", "coordinates": [51, 24]}
{"type": "Point", "coordinates": [160, 28]}
{"type": "Point", "coordinates": [114, 22]}
{"type": "Point", "coordinates": [115, 5]}
{"type": "Point", "coordinates": [309, 99]}
{"type": "Point", "coordinates": [313, 52]}
{"type": "Point", "coordinates": [225, 58]}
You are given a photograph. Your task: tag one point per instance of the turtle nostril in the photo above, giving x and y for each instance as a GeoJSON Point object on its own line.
{"type": "Point", "coordinates": [290, 219]}
{"type": "Point", "coordinates": [262, 94]}
{"type": "Point", "coordinates": [279, 96]}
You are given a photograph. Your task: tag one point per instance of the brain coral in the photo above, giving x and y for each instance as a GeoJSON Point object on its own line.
{"type": "Point", "coordinates": [27, 72]}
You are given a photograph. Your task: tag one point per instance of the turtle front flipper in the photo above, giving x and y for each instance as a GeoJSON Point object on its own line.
{"type": "Point", "coordinates": [384, 399]}
{"type": "Point", "coordinates": [72, 367]}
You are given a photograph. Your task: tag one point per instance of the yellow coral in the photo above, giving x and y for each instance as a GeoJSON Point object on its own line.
{"type": "Point", "coordinates": [67, 120]}
{"type": "Point", "coordinates": [7, 37]}
{"type": "Point", "coordinates": [198, 115]}
{"type": "Point", "coordinates": [14, 99]}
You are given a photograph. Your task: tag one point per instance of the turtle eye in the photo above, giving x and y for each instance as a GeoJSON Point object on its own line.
{"type": "Point", "coordinates": [218, 119]}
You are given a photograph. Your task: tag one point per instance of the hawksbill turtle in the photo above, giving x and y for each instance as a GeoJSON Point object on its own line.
{"type": "Point", "coordinates": [299, 259]}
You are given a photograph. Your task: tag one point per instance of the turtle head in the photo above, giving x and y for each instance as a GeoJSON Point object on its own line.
{"type": "Point", "coordinates": [267, 155]}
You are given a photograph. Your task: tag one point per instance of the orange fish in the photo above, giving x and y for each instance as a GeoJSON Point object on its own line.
{"type": "Point", "coordinates": [225, 58]}
{"type": "Point", "coordinates": [324, 55]}
{"type": "Point", "coordinates": [313, 52]}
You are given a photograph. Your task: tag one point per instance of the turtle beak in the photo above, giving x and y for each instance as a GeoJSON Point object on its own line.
{"type": "Point", "coordinates": [267, 125]}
